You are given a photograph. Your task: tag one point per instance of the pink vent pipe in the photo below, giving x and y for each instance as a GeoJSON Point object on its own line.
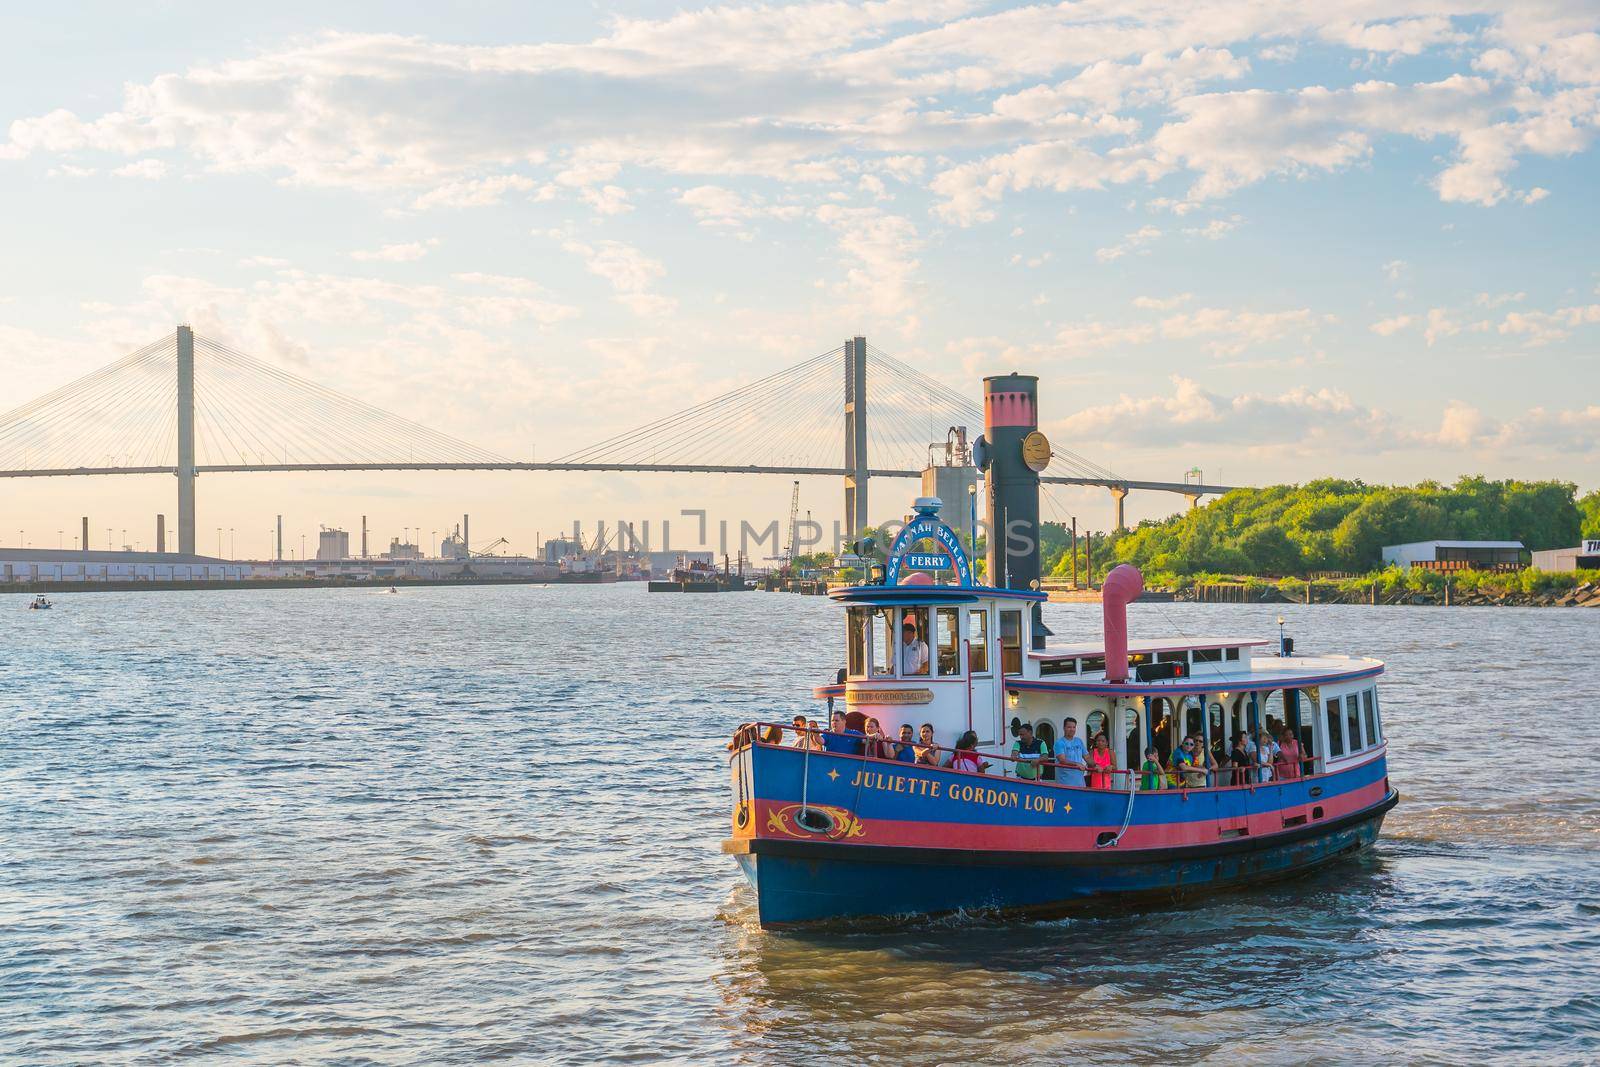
{"type": "Point", "coordinates": [1120, 588]}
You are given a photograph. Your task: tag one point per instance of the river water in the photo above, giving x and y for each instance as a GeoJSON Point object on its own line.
{"type": "Point", "coordinates": [481, 824]}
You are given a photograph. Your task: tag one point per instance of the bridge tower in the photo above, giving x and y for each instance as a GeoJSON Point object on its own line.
{"type": "Point", "coordinates": [855, 436]}
{"type": "Point", "coordinates": [186, 477]}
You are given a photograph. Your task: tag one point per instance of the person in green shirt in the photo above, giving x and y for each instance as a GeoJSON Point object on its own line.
{"type": "Point", "coordinates": [1152, 769]}
{"type": "Point", "coordinates": [1028, 751]}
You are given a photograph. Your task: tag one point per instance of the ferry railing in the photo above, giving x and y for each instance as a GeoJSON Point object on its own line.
{"type": "Point", "coordinates": [772, 735]}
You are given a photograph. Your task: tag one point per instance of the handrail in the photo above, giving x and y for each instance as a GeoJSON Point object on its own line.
{"type": "Point", "coordinates": [751, 733]}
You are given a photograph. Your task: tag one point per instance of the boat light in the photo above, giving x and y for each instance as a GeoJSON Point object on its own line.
{"type": "Point", "coordinates": [1013, 699]}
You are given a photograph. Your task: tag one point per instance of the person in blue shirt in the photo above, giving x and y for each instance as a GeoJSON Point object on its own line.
{"type": "Point", "coordinates": [842, 740]}
{"type": "Point", "coordinates": [906, 750]}
{"type": "Point", "coordinates": [1072, 754]}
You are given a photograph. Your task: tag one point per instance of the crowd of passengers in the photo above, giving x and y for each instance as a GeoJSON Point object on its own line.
{"type": "Point", "coordinates": [1272, 754]}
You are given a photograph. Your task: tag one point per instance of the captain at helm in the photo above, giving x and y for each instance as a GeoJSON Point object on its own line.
{"type": "Point", "coordinates": [913, 650]}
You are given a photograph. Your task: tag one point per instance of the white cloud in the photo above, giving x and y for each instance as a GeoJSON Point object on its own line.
{"type": "Point", "coordinates": [1439, 324]}
{"type": "Point", "coordinates": [878, 252]}
{"type": "Point", "coordinates": [1162, 303]}
{"type": "Point", "coordinates": [473, 192]}
{"type": "Point", "coordinates": [1390, 326]}
{"type": "Point", "coordinates": [631, 273]}
{"type": "Point", "coordinates": [148, 169]}
{"type": "Point", "coordinates": [396, 253]}
{"type": "Point", "coordinates": [1135, 242]}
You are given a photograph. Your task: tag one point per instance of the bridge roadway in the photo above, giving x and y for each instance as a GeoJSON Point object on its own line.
{"type": "Point", "coordinates": [1188, 489]}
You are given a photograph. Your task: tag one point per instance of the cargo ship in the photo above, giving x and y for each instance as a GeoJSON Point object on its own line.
{"type": "Point", "coordinates": [983, 812]}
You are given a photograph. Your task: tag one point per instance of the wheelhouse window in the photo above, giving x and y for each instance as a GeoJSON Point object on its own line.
{"type": "Point", "coordinates": [978, 640]}
{"type": "Point", "coordinates": [1172, 657]}
{"type": "Point", "coordinates": [1352, 722]}
{"type": "Point", "coordinates": [857, 630]}
{"type": "Point", "coordinates": [1011, 642]}
{"type": "Point", "coordinates": [883, 641]}
{"type": "Point", "coordinates": [1335, 730]}
{"type": "Point", "coordinates": [1369, 706]}
{"type": "Point", "coordinates": [912, 645]}
{"type": "Point", "coordinates": [1230, 653]}
{"type": "Point", "coordinates": [1093, 665]}
{"type": "Point", "coordinates": [949, 624]}
{"type": "Point", "coordinates": [1208, 655]}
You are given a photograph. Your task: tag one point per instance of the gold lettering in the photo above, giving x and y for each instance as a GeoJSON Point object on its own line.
{"type": "Point", "coordinates": [856, 781]}
{"type": "Point", "coordinates": [934, 792]}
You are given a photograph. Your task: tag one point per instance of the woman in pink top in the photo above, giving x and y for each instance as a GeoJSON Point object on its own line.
{"type": "Point", "coordinates": [1287, 765]}
{"type": "Point", "coordinates": [1100, 763]}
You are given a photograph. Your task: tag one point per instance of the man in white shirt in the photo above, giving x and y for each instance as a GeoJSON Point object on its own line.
{"type": "Point", "coordinates": [913, 652]}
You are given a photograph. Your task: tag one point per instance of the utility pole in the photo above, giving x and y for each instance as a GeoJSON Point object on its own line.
{"type": "Point", "coordinates": [1074, 551]}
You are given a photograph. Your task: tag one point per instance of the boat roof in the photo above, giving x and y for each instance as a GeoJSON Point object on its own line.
{"type": "Point", "coordinates": [1231, 676]}
{"type": "Point", "coordinates": [884, 595]}
{"type": "Point", "coordinates": [1149, 646]}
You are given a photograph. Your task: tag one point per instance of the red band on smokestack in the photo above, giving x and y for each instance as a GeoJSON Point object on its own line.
{"type": "Point", "coordinates": [1008, 409]}
{"type": "Point", "coordinates": [1121, 587]}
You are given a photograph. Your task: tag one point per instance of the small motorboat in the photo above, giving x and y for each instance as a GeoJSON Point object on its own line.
{"type": "Point", "coordinates": [392, 589]}
{"type": "Point", "coordinates": [39, 603]}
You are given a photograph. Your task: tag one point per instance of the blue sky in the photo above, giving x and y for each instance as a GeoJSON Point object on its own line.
{"type": "Point", "coordinates": [1276, 242]}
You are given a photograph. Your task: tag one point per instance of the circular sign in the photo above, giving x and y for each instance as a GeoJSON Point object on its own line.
{"type": "Point", "coordinates": [1036, 451]}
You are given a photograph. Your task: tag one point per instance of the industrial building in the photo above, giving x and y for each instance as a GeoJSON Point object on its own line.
{"type": "Point", "coordinates": [333, 544]}
{"type": "Point", "coordinates": [1457, 555]}
{"type": "Point", "coordinates": [1585, 557]}
{"type": "Point", "coordinates": [26, 565]}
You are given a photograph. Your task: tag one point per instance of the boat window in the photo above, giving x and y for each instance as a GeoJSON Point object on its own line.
{"type": "Point", "coordinates": [1093, 665]}
{"type": "Point", "coordinates": [1194, 717]}
{"type": "Point", "coordinates": [1138, 659]}
{"type": "Point", "coordinates": [1161, 728]}
{"type": "Point", "coordinates": [1217, 729]}
{"type": "Point", "coordinates": [914, 656]}
{"type": "Point", "coordinates": [883, 641]}
{"type": "Point", "coordinates": [857, 628]}
{"type": "Point", "coordinates": [1172, 657]}
{"type": "Point", "coordinates": [1059, 666]}
{"type": "Point", "coordinates": [1231, 653]}
{"type": "Point", "coordinates": [1369, 704]}
{"type": "Point", "coordinates": [1335, 732]}
{"type": "Point", "coordinates": [949, 623]}
{"type": "Point", "coordinates": [1208, 655]}
{"type": "Point", "coordinates": [1306, 713]}
{"type": "Point", "coordinates": [978, 640]}
{"type": "Point", "coordinates": [1133, 748]}
{"type": "Point", "coordinates": [1094, 724]}
{"type": "Point", "coordinates": [1352, 722]}
{"type": "Point", "coordinates": [1011, 642]}
{"type": "Point", "coordinates": [1272, 714]}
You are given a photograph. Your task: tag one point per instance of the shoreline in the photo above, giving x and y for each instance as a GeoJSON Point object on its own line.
{"type": "Point", "coordinates": [34, 588]}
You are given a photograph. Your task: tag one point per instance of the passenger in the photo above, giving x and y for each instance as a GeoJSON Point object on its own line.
{"type": "Point", "coordinates": [1266, 754]}
{"type": "Point", "coordinates": [800, 736]}
{"type": "Point", "coordinates": [965, 757]}
{"type": "Point", "coordinates": [1072, 755]}
{"type": "Point", "coordinates": [1100, 763]}
{"type": "Point", "coordinates": [927, 751]}
{"type": "Point", "coordinates": [878, 746]}
{"type": "Point", "coordinates": [905, 751]}
{"type": "Point", "coordinates": [841, 739]}
{"type": "Point", "coordinates": [1240, 759]}
{"type": "Point", "coordinates": [813, 735]}
{"type": "Point", "coordinates": [913, 650]}
{"type": "Point", "coordinates": [1028, 751]}
{"type": "Point", "coordinates": [1191, 764]}
{"type": "Point", "coordinates": [1152, 770]}
{"type": "Point", "coordinates": [1288, 762]}
{"type": "Point", "coordinates": [772, 735]}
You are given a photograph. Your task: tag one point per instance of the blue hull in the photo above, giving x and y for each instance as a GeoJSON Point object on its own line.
{"type": "Point", "coordinates": [800, 882]}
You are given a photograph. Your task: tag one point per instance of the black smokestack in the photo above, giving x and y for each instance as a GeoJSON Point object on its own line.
{"type": "Point", "coordinates": [1011, 418]}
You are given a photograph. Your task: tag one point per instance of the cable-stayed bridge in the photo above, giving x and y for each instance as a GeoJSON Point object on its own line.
{"type": "Point", "coordinates": [186, 406]}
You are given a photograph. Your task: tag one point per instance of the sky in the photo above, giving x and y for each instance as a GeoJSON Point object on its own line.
{"type": "Point", "coordinates": [1274, 242]}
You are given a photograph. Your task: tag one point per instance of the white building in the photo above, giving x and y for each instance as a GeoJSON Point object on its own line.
{"type": "Point", "coordinates": [24, 565]}
{"type": "Point", "coordinates": [1585, 557]}
{"type": "Point", "coordinates": [333, 544]}
{"type": "Point", "coordinates": [1456, 555]}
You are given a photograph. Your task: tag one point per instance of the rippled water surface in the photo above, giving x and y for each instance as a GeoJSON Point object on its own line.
{"type": "Point", "coordinates": [464, 825]}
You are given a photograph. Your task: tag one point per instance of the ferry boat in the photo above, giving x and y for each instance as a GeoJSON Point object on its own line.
{"type": "Point", "coordinates": [40, 603]}
{"type": "Point", "coordinates": [845, 829]}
